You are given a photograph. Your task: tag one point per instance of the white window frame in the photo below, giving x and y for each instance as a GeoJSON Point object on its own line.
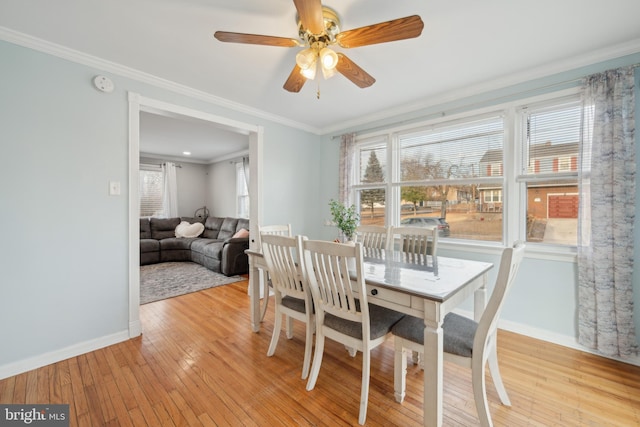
{"type": "Point", "coordinates": [513, 194]}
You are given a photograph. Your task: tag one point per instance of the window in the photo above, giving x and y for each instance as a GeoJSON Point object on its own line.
{"type": "Point", "coordinates": [454, 171]}
{"type": "Point", "coordinates": [371, 194]}
{"type": "Point", "coordinates": [242, 192]}
{"type": "Point", "coordinates": [151, 183]}
{"type": "Point", "coordinates": [550, 150]}
{"type": "Point", "coordinates": [496, 175]}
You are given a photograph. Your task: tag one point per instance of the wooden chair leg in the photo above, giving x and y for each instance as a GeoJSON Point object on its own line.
{"type": "Point", "coordinates": [399, 370]}
{"type": "Point", "coordinates": [480, 391]}
{"type": "Point", "coordinates": [364, 392]}
{"type": "Point", "coordinates": [277, 325]}
{"type": "Point", "coordinates": [317, 361]}
{"type": "Point", "coordinates": [307, 349]}
{"type": "Point", "coordinates": [497, 378]}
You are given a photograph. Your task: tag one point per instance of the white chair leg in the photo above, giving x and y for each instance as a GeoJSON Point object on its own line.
{"type": "Point", "coordinates": [265, 303]}
{"type": "Point", "coordinates": [480, 391]}
{"type": "Point", "coordinates": [317, 361]}
{"type": "Point", "coordinates": [399, 370]}
{"type": "Point", "coordinates": [352, 351]}
{"type": "Point", "coordinates": [277, 325]}
{"type": "Point", "coordinates": [307, 349]}
{"type": "Point", "coordinates": [497, 378]}
{"type": "Point", "coordinates": [289, 327]}
{"type": "Point", "coordinates": [364, 392]}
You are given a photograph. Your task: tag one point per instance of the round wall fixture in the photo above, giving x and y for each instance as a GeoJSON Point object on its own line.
{"type": "Point", "coordinates": [103, 84]}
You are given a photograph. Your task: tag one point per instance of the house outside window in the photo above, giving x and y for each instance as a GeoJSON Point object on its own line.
{"type": "Point", "coordinates": [498, 174]}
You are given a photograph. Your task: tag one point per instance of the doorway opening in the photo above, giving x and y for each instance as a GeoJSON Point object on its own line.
{"type": "Point", "coordinates": [139, 105]}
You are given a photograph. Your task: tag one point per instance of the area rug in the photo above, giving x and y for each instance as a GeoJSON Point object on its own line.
{"type": "Point", "coordinates": [170, 279]}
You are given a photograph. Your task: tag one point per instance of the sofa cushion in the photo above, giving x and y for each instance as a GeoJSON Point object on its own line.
{"type": "Point", "coordinates": [228, 228]}
{"type": "Point", "coordinates": [213, 250]}
{"type": "Point", "coordinates": [243, 223]}
{"type": "Point", "coordinates": [145, 228]}
{"type": "Point", "coordinates": [198, 244]}
{"type": "Point", "coordinates": [184, 229]}
{"type": "Point", "coordinates": [163, 228]}
{"type": "Point", "coordinates": [173, 243]}
{"type": "Point", "coordinates": [149, 245]}
{"type": "Point", "coordinates": [212, 227]}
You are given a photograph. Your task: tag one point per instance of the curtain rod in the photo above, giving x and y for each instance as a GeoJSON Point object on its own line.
{"type": "Point", "coordinates": [464, 107]}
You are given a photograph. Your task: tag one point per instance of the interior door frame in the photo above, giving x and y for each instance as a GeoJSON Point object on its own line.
{"type": "Point", "coordinates": [138, 104]}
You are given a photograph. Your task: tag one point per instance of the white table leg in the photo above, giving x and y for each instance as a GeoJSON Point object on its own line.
{"type": "Point", "coordinates": [254, 295]}
{"type": "Point", "coordinates": [480, 300]}
{"type": "Point", "coordinates": [433, 367]}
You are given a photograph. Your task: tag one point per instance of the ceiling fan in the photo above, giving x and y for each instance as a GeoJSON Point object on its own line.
{"type": "Point", "coordinates": [319, 29]}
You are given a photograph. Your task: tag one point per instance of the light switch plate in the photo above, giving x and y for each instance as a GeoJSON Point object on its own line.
{"type": "Point", "coordinates": [114, 188]}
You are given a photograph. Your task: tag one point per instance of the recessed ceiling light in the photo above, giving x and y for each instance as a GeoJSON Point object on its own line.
{"type": "Point", "coordinates": [186, 153]}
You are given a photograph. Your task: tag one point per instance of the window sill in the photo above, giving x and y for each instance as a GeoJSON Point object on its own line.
{"type": "Point", "coordinates": [533, 250]}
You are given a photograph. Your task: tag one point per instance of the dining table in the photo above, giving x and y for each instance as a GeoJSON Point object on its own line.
{"type": "Point", "coordinates": [428, 288]}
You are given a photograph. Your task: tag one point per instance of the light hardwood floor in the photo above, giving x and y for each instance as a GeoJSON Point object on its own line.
{"type": "Point", "coordinates": [198, 364]}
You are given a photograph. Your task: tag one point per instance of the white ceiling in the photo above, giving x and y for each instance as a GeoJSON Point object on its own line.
{"type": "Point", "coordinates": [167, 137]}
{"type": "Point", "coordinates": [467, 46]}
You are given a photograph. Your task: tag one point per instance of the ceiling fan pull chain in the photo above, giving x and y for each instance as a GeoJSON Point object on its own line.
{"type": "Point", "coordinates": [318, 91]}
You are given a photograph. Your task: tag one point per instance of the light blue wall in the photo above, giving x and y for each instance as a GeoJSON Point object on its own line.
{"type": "Point", "coordinates": [544, 302]}
{"type": "Point", "coordinates": [64, 257]}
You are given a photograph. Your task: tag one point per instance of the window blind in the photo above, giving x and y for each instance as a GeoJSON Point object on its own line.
{"type": "Point", "coordinates": [463, 150]}
{"type": "Point", "coordinates": [552, 139]}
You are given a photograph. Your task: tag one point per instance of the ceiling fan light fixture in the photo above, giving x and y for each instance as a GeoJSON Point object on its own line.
{"type": "Point", "coordinates": [309, 73]}
{"type": "Point", "coordinates": [306, 59]}
{"type": "Point", "coordinates": [327, 73]}
{"type": "Point", "coordinates": [328, 58]}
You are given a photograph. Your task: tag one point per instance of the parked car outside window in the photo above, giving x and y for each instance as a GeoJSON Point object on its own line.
{"type": "Point", "coordinates": [441, 223]}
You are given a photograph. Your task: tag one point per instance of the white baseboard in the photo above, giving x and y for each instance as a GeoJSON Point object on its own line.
{"type": "Point", "coordinates": [548, 336]}
{"type": "Point", "coordinates": [25, 365]}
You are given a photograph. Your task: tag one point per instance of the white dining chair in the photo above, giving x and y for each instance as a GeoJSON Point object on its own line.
{"type": "Point", "coordinates": [372, 236]}
{"type": "Point", "coordinates": [342, 311]}
{"type": "Point", "coordinates": [278, 230]}
{"type": "Point", "coordinates": [419, 245]}
{"type": "Point", "coordinates": [292, 299]}
{"type": "Point", "coordinates": [465, 342]}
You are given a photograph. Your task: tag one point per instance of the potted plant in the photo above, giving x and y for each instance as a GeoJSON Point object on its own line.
{"type": "Point", "coordinates": [346, 219]}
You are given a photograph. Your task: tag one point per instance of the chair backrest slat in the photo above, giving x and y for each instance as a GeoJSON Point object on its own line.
{"type": "Point", "coordinates": [327, 270]}
{"type": "Point", "coordinates": [373, 236]}
{"type": "Point", "coordinates": [416, 243]}
{"type": "Point", "coordinates": [282, 259]}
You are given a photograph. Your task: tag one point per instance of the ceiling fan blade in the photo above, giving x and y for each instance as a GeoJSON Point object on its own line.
{"type": "Point", "coordinates": [225, 36]}
{"type": "Point", "coordinates": [350, 70]}
{"type": "Point", "coordinates": [396, 29]}
{"type": "Point", "coordinates": [295, 81]}
{"type": "Point", "coordinates": [310, 14]}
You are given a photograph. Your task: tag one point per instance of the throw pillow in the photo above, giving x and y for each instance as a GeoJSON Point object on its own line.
{"type": "Point", "coordinates": [241, 233]}
{"type": "Point", "coordinates": [184, 229]}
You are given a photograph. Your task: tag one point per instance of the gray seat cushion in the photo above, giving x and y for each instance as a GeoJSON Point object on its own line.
{"type": "Point", "coordinates": [296, 304]}
{"type": "Point", "coordinates": [149, 245]}
{"type": "Point", "coordinates": [458, 333]}
{"type": "Point", "coordinates": [381, 320]}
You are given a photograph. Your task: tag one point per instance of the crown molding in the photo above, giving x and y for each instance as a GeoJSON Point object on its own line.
{"type": "Point", "coordinates": [606, 54]}
{"type": "Point", "coordinates": [82, 58]}
{"type": "Point", "coordinates": [547, 70]}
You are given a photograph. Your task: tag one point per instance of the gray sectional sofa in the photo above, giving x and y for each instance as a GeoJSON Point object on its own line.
{"type": "Point", "coordinates": [215, 248]}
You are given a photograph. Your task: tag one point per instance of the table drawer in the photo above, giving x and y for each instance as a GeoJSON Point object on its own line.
{"type": "Point", "coordinates": [389, 295]}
